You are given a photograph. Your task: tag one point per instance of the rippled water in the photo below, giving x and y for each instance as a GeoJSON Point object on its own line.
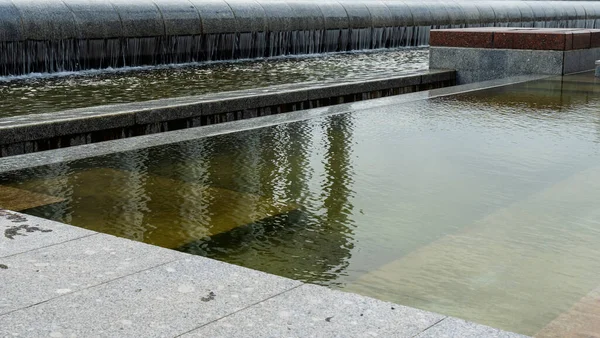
{"type": "Point", "coordinates": [482, 205]}
{"type": "Point", "coordinates": [43, 94]}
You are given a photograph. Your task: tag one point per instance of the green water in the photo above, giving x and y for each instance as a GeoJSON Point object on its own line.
{"type": "Point", "coordinates": [482, 205]}
{"type": "Point", "coordinates": [35, 94]}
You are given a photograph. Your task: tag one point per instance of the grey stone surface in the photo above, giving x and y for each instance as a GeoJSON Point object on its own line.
{"type": "Point", "coordinates": [400, 12]}
{"type": "Point", "coordinates": [486, 13]}
{"type": "Point", "coordinates": [455, 14]}
{"type": "Point", "coordinates": [358, 14]}
{"type": "Point", "coordinates": [86, 124]}
{"type": "Point", "coordinates": [180, 17]}
{"type": "Point", "coordinates": [46, 20]}
{"type": "Point", "coordinates": [168, 113]}
{"type": "Point", "coordinates": [11, 133]}
{"type": "Point", "coordinates": [10, 22]}
{"type": "Point", "coordinates": [527, 15]}
{"type": "Point", "coordinates": [458, 328]}
{"type": "Point", "coordinates": [279, 15]}
{"type": "Point", "coordinates": [140, 18]}
{"type": "Point", "coordinates": [580, 60]}
{"type": "Point", "coordinates": [161, 302]}
{"type": "Point", "coordinates": [315, 311]}
{"type": "Point", "coordinates": [439, 14]}
{"type": "Point", "coordinates": [421, 13]}
{"type": "Point", "coordinates": [538, 13]}
{"type": "Point", "coordinates": [216, 16]}
{"type": "Point", "coordinates": [96, 19]}
{"type": "Point", "coordinates": [306, 15]}
{"type": "Point", "coordinates": [381, 16]}
{"type": "Point", "coordinates": [480, 64]}
{"type": "Point", "coordinates": [597, 73]}
{"type": "Point", "coordinates": [249, 16]}
{"type": "Point", "coordinates": [334, 14]}
{"type": "Point", "coordinates": [20, 233]}
{"type": "Point", "coordinates": [472, 16]}
{"type": "Point", "coordinates": [50, 272]}
{"type": "Point", "coordinates": [141, 142]}
{"type": "Point", "coordinates": [85, 120]}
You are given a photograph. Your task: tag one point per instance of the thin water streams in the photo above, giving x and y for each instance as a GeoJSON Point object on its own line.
{"type": "Point", "coordinates": [481, 205]}
{"type": "Point", "coordinates": [49, 93]}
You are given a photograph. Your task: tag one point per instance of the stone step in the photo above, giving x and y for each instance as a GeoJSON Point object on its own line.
{"type": "Point", "coordinates": [581, 321]}
{"type": "Point", "coordinates": [16, 199]}
{"type": "Point", "coordinates": [159, 210]}
{"type": "Point", "coordinates": [509, 268]}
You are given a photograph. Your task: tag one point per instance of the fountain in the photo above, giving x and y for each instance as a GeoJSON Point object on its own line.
{"type": "Point", "coordinates": [72, 35]}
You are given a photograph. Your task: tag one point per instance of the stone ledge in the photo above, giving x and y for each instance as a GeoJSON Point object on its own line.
{"type": "Point", "coordinates": [32, 133]}
{"type": "Point", "coordinates": [517, 38]}
{"type": "Point", "coordinates": [104, 286]}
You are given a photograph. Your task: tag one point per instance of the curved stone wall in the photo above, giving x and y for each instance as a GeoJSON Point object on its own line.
{"type": "Point", "coordinates": [57, 35]}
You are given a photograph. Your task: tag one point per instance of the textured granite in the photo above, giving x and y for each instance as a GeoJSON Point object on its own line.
{"type": "Point", "coordinates": [516, 38]}
{"type": "Point", "coordinates": [279, 16]}
{"type": "Point", "coordinates": [381, 16]}
{"type": "Point", "coordinates": [334, 14]}
{"type": "Point", "coordinates": [315, 311]}
{"type": "Point", "coordinates": [46, 20]}
{"type": "Point", "coordinates": [456, 38]}
{"type": "Point", "coordinates": [96, 19]}
{"type": "Point", "coordinates": [358, 14]}
{"type": "Point", "coordinates": [46, 273]}
{"type": "Point", "coordinates": [306, 15]}
{"type": "Point", "coordinates": [454, 327]}
{"type": "Point", "coordinates": [19, 233]}
{"type": "Point", "coordinates": [164, 301]}
{"type": "Point", "coordinates": [595, 38]}
{"type": "Point", "coordinates": [10, 22]}
{"type": "Point", "coordinates": [400, 12]}
{"type": "Point", "coordinates": [140, 18]}
{"type": "Point", "coordinates": [580, 60]}
{"type": "Point", "coordinates": [482, 64]}
{"type": "Point", "coordinates": [85, 120]}
{"type": "Point", "coordinates": [545, 40]}
{"type": "Point", "coordinates": [249, 16]}
{"type": "Point", "coordinates": [216, 16]}
{"type": "Point", "coordinates": [597, 73]}
{"type": "Point", "coordinates": [180, 17]}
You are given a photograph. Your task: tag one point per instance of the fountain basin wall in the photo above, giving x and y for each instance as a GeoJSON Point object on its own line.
{"type": "Point", "coordinates": [70, 35]}
{"type": "Point", "coordinates": [38, 132]}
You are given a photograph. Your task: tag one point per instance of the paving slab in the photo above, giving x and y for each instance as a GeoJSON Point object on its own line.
{"type": "Point", "coordinates": [20, 233]}
{"type": "Point", "coordinates": [161, 302]}
{"type": "Point", "coordinates": [39, 275]}
{"type": "Point", "coordinates": [581, 320]}
{"type": "Point", "coordinates": [315, 311]}
{"type": "Point", "coordinates": [454, 327]}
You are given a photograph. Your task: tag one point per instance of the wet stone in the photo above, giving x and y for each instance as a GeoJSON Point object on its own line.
{"type": "Point", "coordinates": [21, 233]}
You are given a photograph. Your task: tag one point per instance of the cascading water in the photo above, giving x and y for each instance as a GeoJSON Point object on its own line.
{"type": "Point", "coordinates": [150, 32]}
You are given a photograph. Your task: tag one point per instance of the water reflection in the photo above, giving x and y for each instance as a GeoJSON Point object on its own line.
{"type": "Point", "coordinates": [43, 94]}
{"type": "Point", "coordinates": [479, 205]}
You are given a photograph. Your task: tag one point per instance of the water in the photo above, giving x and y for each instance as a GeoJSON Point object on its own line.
{"type": "Point", "coordinates": [481, 205]}
{"type": "Point", "coordinates": [46, 93]}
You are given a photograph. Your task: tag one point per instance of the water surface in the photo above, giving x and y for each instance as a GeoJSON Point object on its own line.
{"type": "Point", "coordinates": [482, 205]}
{"type": "Point", "coordinates": [50, 93]}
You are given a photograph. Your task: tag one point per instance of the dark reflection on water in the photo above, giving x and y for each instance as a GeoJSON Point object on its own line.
{"type": "Point", "coordinates": [481, 205]}
{"type": "Point", "coordinates": [45, 94]}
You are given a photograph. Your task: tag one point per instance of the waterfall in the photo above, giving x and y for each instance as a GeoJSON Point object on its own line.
{"type": "Point", "coordinates": [182, 31]}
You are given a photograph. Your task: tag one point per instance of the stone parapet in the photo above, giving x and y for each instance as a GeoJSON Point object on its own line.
{"type": "Point", "coordinates": [480, 54]}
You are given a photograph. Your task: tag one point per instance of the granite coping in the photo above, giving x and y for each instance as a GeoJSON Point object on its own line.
{"type": "Point", "coordinates": [517, 38]}
{"type": "Point", "coordinates": [93, 284]}
{"type": "Point", "coordinates": [19, 162]}
{"type": "Point", "coordinates": [84, 120]}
